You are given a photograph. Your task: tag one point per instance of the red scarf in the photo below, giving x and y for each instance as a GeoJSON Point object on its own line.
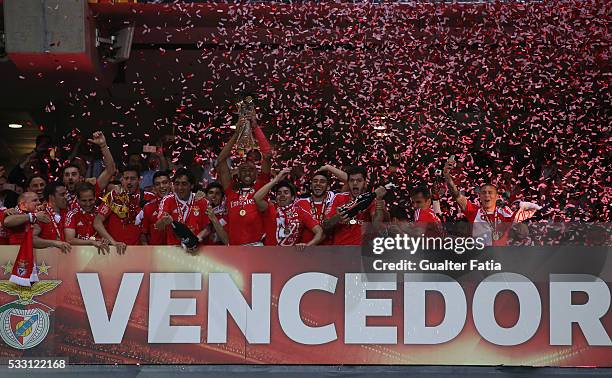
{"type": "Point", "coordinates": [24, 270]}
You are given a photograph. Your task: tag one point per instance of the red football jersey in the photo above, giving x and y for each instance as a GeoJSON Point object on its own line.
{"type": "Point", "coordinates": [123, 229]}
{"type": "Point", "coordinates": [317, 210]}
{"type": "Point", "coordinates": [192, 214]}
{"type": "Point", "coordinates": [16, 234]}
{"type": "Point", "coordinates": [245, 222]}
{"type": "Point", "coordinates": [284, 226]}
{"type": "Point", "coordinates": [150, 214]}
{"type": "Point", "coordinates": [53, 230]}
{"type": "Point", "coordinates": [425, 216]}
{"type": "Point", "coordinates": [429, 222]}
{"type": "Point", "coordinates": [493, 226]}
{"type": "Point", "coordinates": [349, 233]}
{"type": "Point", "coordinates": [82, 223]}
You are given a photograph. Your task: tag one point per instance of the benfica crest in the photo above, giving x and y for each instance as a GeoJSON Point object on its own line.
{"type": "Point", "coordinates": [24, 323]}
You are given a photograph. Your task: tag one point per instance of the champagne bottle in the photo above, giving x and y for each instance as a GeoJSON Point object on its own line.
{"type": "Point", "coordinates": [187, 238]}
{"type": "Point", "coordinates": [361, 203]}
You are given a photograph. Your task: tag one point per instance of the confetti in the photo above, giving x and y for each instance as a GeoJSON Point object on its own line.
{"type": "Point", "coordinates": [519, 92]}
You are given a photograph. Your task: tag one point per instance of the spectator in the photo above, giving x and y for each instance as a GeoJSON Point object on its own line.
{"type": "Point", "coordinates": [41, 161]}
{"type": "Point", "coordinates": [156, 161]}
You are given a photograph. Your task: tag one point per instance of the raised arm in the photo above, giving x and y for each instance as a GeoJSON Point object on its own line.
{"type": "Point", "coordinates": [380, 212]}
{"type": "Point", "coordinates": [260, 195]}
{"type": "Point", "coordinates": [222, 169]}
{"type": "Point", "coordinates": [266, 163]}
{"type": "Point", "coordinates": [227, 149]}
{"type": "Point", "coordinates": [109, 163]}
{"type": "Point", "coordinates": [262, 142]}
{"type": "Point", "coordinates": [460, 198]}
{"type": "Point", "coordinates": [338, 173]}
{"type": "Point", "coordinates": [435, 200]}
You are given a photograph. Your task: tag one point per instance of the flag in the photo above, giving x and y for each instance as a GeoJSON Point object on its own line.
{"type": "Point", "coordinates": [24, 270]}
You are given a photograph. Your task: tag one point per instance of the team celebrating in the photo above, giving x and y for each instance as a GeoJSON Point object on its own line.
{"type": "Point", "coordinates": [250, 207]}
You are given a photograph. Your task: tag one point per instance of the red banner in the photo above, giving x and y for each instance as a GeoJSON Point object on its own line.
{"type": "Point", "coordinates": [245, 305]}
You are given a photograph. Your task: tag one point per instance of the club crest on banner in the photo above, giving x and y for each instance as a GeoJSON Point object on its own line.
{"type": "Point", "coordinates": [24, 323]}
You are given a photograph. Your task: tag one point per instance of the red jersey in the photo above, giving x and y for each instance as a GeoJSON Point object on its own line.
{"type": "Point", "coordinates": [15, 235]}
{"type": "Point", "coordinates": [125, 229]}
{"type": "Point", "coordinates": [82, 223]}
{"type": "Point", "coordinates": [245, 222]}
{"type": "Point", "coordinates": [429, 221]}
{"type": "Point", "coordinates": [149, 214]}
{"type": "Point", "coordinates": [493, 226]}
{"type": "Point", "coordinates": [349, 233]}
{"type": "Point", "coordinates": [284, 225]}
{"type": "Point", "coordinates": [53, 230]}
{"type": "Point", "coordinates": [317, 210]}
{"type": "Point", "coordinates": [191, 213]}
{"type": "Point", "coordinates": [3, 231]}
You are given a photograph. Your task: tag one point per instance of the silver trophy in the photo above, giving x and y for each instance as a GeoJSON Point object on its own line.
{"type": "Point", "coordinates": [246, 141]}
